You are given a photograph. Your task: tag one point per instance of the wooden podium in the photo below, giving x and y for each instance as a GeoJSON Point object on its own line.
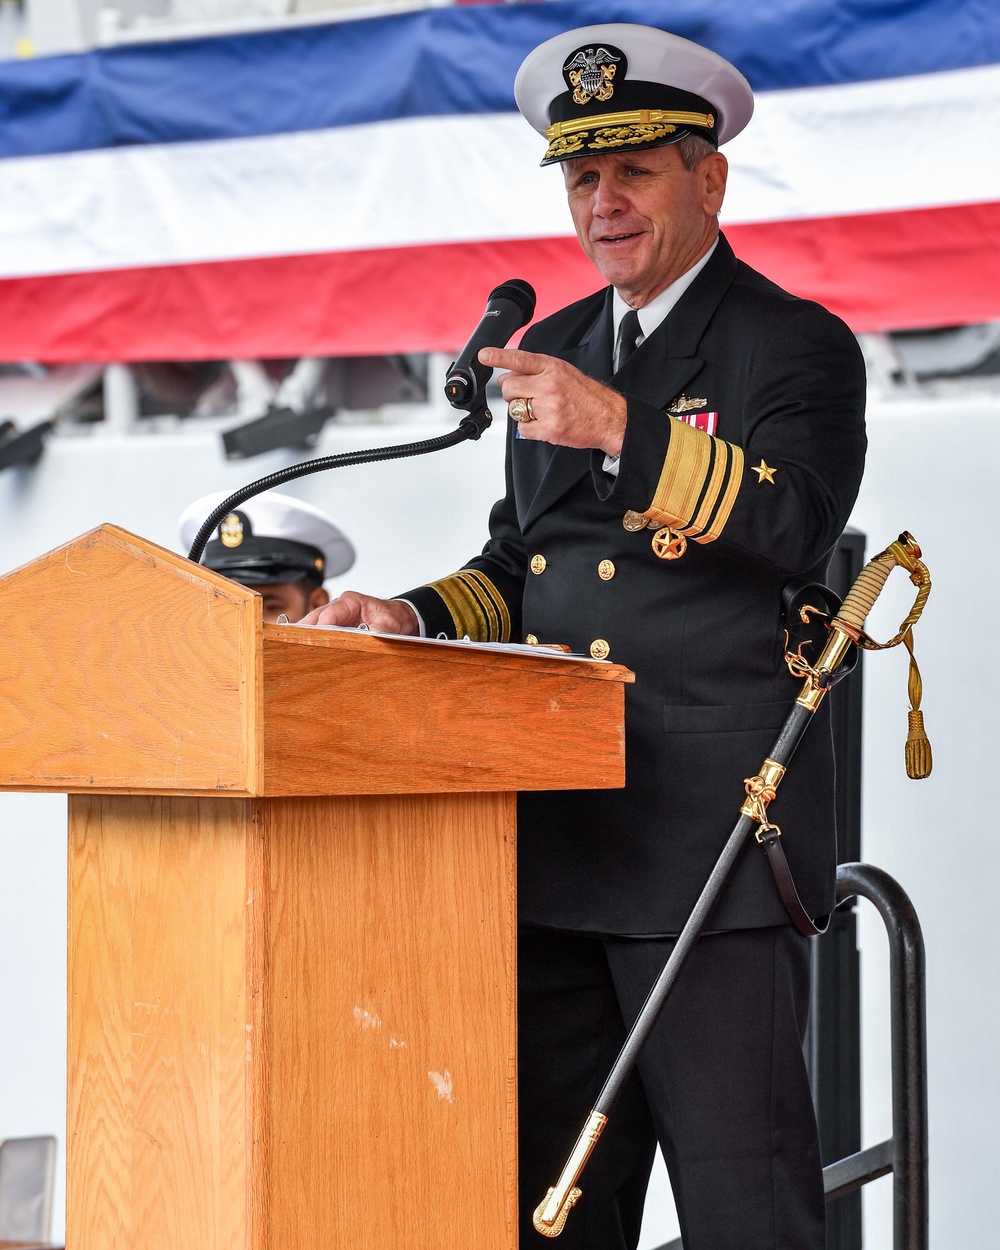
{"type": "Point", "coordinates": [291, 903]}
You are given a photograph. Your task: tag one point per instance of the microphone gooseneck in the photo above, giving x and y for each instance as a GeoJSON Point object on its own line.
{"type": "Point", "coordinates": [510, 307]}
{"type": "Point", "coordinates": [466, 430]}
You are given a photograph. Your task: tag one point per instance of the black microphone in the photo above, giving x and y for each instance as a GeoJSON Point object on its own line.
{"type": "Point", "coordinates": [510, 306]}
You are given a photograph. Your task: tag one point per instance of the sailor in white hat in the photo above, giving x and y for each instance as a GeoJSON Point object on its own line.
{"type": "Point", "coordinates": [276, 544]}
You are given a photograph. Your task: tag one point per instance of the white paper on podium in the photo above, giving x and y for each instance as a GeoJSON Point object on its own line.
{"type": "Point", "coordinates": [537, 651]}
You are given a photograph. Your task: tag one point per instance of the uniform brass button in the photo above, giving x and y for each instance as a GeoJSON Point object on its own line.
{"type": "Point", "coordinates": [538, 564]}
{"type": "Point", "coordinates": [606, 570]}
{"type": "Point", "coordinates": [531, 640]}
{"type": "Point", "coordinates": [599, 649]}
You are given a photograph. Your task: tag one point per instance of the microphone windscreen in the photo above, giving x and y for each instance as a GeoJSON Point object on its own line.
{"type": "Point", "coordinates": [518, 292]}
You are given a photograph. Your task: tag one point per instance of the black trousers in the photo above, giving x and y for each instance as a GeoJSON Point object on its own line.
{"type": "Point", "coordinates": [722, 1085]}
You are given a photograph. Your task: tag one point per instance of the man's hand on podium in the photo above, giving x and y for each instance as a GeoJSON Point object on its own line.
{"type": "Point", "coordinates": [385, 616]}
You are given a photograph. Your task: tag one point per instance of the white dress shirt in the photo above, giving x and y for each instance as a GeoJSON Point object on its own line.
{"type": "Point", "coordinates": [651, 316]}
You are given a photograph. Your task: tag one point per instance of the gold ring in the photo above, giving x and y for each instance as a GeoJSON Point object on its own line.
{"type": "Point", "coordinates": [520, 410]}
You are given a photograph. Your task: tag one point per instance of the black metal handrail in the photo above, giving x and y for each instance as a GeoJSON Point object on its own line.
{"type": "Point", "coordinates": [904, 1154]}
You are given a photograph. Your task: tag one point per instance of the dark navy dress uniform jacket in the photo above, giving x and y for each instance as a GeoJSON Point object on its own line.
{"type": "Point", "coordinates": [703, 633]}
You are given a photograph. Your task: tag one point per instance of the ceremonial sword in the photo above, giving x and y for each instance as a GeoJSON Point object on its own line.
{"type": "Point", "coordinates": [846, 630]}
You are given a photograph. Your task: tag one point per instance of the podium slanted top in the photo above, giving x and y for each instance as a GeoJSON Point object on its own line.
{"type": "Point", "coordinates": [126, 668]}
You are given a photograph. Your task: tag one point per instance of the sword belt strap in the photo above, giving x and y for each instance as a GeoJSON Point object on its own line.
{"type": "Point", "coordinates": [770, 840]}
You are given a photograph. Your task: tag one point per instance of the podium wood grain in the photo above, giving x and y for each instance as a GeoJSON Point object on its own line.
{"type": "Point", "coordinates": [308, 1029]}
{"type": "Point", "coordinates": [160, 1060]}
{"type": "Point", "coordinates": [539, 727]}
{"type": "Point", "coordinates": [292, 912]}
{"type": "Point", "coordinates": [126, 667]}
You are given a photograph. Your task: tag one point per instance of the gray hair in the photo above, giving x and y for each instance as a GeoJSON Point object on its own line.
{"type": "Point", "coordinates": [692, 148]}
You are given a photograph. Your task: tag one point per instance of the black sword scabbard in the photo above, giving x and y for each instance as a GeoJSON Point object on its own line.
{"type": "Point", "coordinates": [846, 631]}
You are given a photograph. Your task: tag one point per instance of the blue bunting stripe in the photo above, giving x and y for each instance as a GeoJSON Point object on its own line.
{"type": "Point", "coordinates": [448, 61]}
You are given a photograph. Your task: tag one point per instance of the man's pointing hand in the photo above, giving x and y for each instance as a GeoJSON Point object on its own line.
{"type": "Point", "coordinates": [570, 409]}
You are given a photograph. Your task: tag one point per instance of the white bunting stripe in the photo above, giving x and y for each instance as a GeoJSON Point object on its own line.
{"type": "Point", "coordinates": [812, 152]}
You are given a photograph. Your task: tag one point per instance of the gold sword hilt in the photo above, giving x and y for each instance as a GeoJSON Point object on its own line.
{"type": "Point", "coordinates": [550, 1215]}
{"type": "Point", "coordinates": [847, 629]}
{"type": "Point", "coordinates": [848, 626]}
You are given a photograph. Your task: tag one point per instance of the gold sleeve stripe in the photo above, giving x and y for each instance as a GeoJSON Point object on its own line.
{"type": "Point", "coordinates": [710, 495]}
{"type": "Point", "coordinates": [495, 600]}
{"type": "Point", "coordinates": [727, 497]}
{"type": "Point", "coordinates": [477, 608]}
{"type": "Point", "coordinates": [698, 484]}
{"type": "Point", "coordinates": [687, 464]}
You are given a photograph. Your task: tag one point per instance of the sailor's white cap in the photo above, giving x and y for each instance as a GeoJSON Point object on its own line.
{"type": "Point", "coordinates": [622, 86]}
{"type": "Point", "coordinates": [270, 539]}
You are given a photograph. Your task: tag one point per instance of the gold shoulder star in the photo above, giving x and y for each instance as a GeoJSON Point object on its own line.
{"type": "Point", "coordinates": [764, 472]}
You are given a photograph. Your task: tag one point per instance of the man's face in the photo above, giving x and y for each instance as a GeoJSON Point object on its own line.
{"type": "Point", "coordinates": [294, 599]}
{"type": "Point", "coordinates": [642, 218]}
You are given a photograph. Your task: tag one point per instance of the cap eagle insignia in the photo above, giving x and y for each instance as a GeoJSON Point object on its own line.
{"type": "Point", "coordinates": [591, 73]}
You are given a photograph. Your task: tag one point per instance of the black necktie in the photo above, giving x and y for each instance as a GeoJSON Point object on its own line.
{"type": "Point", "coordinates": [629, 332]}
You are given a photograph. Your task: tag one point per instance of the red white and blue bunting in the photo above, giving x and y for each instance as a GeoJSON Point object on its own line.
{"type": "Point", "coordinates": [359, 187]}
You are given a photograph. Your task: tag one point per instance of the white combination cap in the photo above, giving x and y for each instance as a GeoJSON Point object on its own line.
{"type": "Point", "coordinates": [624, 87]}
{"type": "Point", "coordinates": [272, 538]}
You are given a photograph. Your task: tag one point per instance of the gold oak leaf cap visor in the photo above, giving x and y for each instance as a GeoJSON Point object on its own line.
{"type": "Point", "coordinates": [624, 87]}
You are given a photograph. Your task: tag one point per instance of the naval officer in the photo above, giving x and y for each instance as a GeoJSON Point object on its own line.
{"type": "Point", "coordinates": [275, 544]}
{"type": "Point", "coordinates": [682, 444]}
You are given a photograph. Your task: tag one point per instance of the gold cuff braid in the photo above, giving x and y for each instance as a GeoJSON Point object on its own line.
{"type": "Point", "coordinates": [477, 608]}
{"type": "Point", "coordinates": [699, 483]}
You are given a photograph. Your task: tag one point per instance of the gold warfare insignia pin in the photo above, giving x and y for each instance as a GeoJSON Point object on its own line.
{"type": "Point", "coordinates": [591, 72]}
{"type": "Point", "coordinates": [683, 404]}
{"type": "Point", "coordinates": [231, 531]}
